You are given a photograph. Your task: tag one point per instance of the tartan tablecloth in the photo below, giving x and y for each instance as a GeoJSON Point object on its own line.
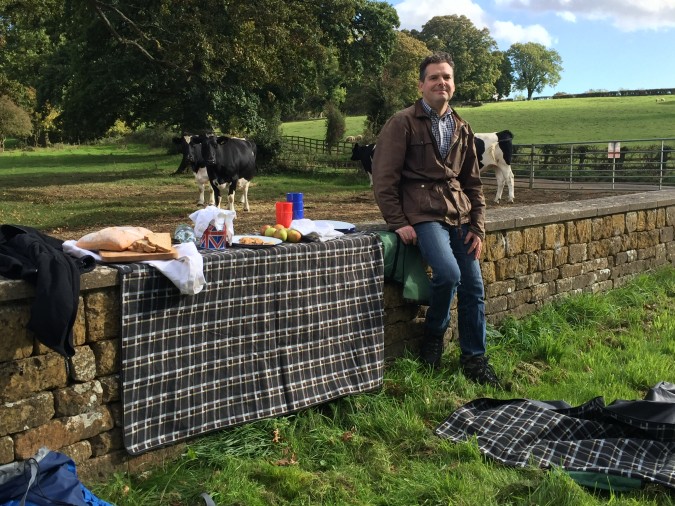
{"type": "Point", "coordinates": [631, 439]}
{"type": "Point", "coordinates": [275, 330]}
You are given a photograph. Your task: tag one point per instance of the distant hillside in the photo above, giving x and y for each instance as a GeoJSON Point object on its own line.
{"type": "Point", "coordinates": [552, 121]}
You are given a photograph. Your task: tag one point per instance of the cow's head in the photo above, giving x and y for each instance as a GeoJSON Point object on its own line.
{"type": "Point", "coordinates": [187, 145]}
{"type": "Point", "coordinates": [209, 149]}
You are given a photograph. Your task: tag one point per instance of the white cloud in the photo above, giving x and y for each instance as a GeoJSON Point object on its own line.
{"type": "Point", "coordinates": [415, 13]}
{"type": "Point", "coordinates": [511, 33]}
{"type": "Point", "coordinates": [625, 15]}
{"type": "Point", "coordinates": [567, 16]}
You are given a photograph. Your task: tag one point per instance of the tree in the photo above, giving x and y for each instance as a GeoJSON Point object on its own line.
{"type": "Point", "coordinates": [474, 52]}
{"type": "Point", "coordinates": [505, 81]}
{"type": "Point", "coordinates": [335, 125]}
{"type": "Point", "coordinates": [534, 67]}
{"type": "Point", "coordinates": [14, 121]}
{"type": "Point", "coordinates": [396, 87]}
{"type": "Point", "coordinates": [226, 65]}
{"type": "Point", "coordinates": [29, 34]}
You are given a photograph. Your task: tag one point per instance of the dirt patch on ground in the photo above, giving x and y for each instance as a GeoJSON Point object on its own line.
{"type": "Point", "coordinates": [360, 207]}
{"type": "Point", "coordinates": [352, 207]}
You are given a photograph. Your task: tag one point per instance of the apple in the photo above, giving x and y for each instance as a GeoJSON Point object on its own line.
{"type": "Point", "coordinates": [270, 232]}
{"type": "Point", "coordinates": [294, 235]}
{"type": "Point", "coordinates": [279, 226]}
{"type": "Point", "coordinates": [281, 233]}
{"type": "Point", "coordinates": [264, 228]}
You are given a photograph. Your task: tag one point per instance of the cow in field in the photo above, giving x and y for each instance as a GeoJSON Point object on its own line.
{"type": "Point", "coordinates": [191, 149]}
{"type": "Point", "coordinates": [230, 163]}
{"type": "Point", "coordinates": [365, 154]}
{"type": "Point", "coordinates": [496, 150]}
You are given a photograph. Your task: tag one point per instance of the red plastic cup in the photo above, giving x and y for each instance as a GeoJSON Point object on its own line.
{"type": "Point", "coordinates": [284, 213]}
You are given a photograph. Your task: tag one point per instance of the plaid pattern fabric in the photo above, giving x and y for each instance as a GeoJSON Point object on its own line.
{"type": "Point", "coordinates": [590, 437]}
{"type": "Point", "coordinates": [442, 127]}
{"type": "Point", "coordinates": [275, 330]}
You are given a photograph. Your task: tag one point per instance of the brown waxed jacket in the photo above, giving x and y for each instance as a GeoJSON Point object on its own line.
{"type": "Point", "coordinates": [411, 182]}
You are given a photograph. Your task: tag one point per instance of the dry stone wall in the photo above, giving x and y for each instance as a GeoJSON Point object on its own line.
{"type": "Point", "coordinates": [532, 256]}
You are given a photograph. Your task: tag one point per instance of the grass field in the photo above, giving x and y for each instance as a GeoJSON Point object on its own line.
{"type": "Point", "coordinates": [379, 448]}
{"type": "Point", "coordinates": [316, 128]}
{"type": "Point", "coordinates": [551, 121]}
{"type": "Point", "coordinates": [89, 186]}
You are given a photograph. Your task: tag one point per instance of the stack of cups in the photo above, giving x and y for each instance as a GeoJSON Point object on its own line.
{"type": "Point", "coordinates": [298, 205]}
{"type": "Point", "coordinates": [284, 211]}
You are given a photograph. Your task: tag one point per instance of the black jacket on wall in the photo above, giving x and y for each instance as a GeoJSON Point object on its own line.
{"type": "Point", "coordinates": [30, 255]}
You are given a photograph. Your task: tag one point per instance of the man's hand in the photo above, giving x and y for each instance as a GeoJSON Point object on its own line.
{"type": "Point", "coordinates": [476, 244]}
{"type": "Point", "coordinates": [407, 234]}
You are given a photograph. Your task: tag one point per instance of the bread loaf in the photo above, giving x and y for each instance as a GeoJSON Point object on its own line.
{"type": "Point", "coordinates": [152, 243]}
{"type": "Point", "coordinates": [113, 238]}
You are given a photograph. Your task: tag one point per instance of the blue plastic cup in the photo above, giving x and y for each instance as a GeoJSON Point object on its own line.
{"type": "Point", "coordinates": [298, 204]}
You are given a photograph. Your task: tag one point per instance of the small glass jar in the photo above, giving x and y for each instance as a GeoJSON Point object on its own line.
{"type": "Point", "coordinates": [184, 233]}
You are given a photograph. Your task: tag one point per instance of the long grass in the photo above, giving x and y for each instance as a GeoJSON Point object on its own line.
{"type": "Point", "coordinates": [553, 121]}
{"type": "Point", "coordinates": [379, 448]}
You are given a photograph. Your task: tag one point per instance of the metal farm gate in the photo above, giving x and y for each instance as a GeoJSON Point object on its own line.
{"type": "Point", "coordinates": [601, 165]}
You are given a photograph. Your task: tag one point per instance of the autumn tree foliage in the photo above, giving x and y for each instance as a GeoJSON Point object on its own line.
{"type": "Point", "coordinates": [14, 121]}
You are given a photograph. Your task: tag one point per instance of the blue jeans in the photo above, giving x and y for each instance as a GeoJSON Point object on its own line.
{"type": "Point", "coordinates": [453, 271]}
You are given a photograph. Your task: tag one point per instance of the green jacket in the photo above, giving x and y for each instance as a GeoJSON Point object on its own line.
{"type": "Point", "coordinates": [411, 182]}
{"type": "Point", "coordinates": [403, 264]}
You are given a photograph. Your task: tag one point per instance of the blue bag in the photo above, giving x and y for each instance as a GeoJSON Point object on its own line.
{"type": "Point", "coordinates": [47, 479]}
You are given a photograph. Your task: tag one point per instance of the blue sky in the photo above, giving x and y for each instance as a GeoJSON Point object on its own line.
{"type": "Point", "coordinates": [604, 44]}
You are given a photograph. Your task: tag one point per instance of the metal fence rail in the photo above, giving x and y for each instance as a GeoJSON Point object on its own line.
{"type": "Point", "coordinates": [610, 164]}
{"type": "Point", "coordinates": [307, 145]}
{"type": "Point", "coordinates": [614, 165]}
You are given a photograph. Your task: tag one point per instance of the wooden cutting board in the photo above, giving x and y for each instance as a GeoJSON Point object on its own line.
{"type": "Point", "coordinates": [135, 256]}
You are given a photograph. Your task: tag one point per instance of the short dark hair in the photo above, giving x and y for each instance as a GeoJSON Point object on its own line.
{"type": "Point", "coordinates": [435, 58]}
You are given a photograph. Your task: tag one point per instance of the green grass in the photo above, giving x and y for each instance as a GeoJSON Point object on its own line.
{"type": "Point", "coordinates": [379, 448]}
{"type": "Point", "coordinates": [95, 186]}
{"type": "Point", "coordinates": [551, 121]}
{"type": "Point", "coordinates": [316, 128]}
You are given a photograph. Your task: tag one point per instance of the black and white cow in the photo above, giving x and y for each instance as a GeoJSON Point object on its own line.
{"type": "Point", "coordinates": [192, 157]}
{"type": "Point", "coordinates": [230, 163]}
{"type": "Point", "coordinates": [365, 154]}
{"type": "Point", "coordinates": [496, 150]}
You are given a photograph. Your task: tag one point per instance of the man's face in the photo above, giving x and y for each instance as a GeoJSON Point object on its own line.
{"type": "Point", "coordinates": [438, 86]}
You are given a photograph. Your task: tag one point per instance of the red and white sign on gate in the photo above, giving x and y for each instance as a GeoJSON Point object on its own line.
{"type": "Point", "coordinates": [614, 150]}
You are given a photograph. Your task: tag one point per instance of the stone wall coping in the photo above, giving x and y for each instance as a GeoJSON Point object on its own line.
{"type": "Point", "coordinates": [503, 218]}
{"type": "Point", "coordinates": [101, 277]}
{"type": "Point", "coordinates": [544, 214]}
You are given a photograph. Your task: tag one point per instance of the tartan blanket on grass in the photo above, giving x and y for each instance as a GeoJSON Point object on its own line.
{"type": "Point", "coordinates": [629, 439]}
{"type": "Point", "coordinates": [274, 331]}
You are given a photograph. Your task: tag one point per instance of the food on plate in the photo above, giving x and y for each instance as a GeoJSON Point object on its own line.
{"type": "Point", "coordinates": [112, 238]}
{"type": "Point", "coordinates": [256, 241]}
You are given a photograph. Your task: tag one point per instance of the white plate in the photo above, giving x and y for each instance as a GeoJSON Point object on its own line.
{"type": "Point", "coordinates": [269, 241]}
{"type": "Point", "coordinates": [340, 226]}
